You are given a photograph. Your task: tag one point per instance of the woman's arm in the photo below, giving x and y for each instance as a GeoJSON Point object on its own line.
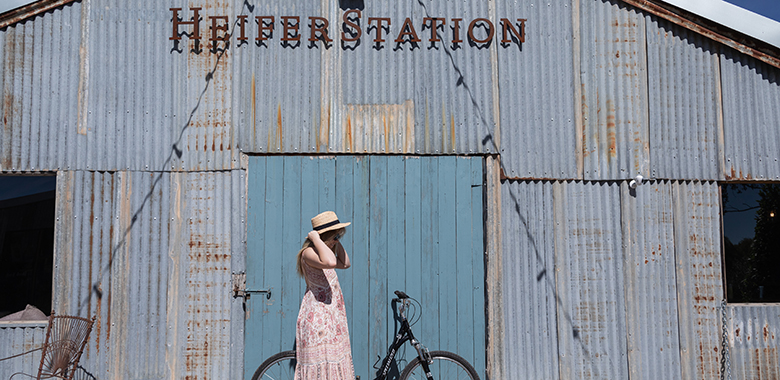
{"type": "Point", "coordinates": [320, 256]}
{"type": "Point", "coordinates": [342, 257]}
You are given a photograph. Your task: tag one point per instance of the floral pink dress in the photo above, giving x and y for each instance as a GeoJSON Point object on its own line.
{"type": "Point", "coordinates": [322, 337]}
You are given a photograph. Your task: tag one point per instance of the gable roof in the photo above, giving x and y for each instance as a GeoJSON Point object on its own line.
{"type": "Point", "coordinates": [735, 27]}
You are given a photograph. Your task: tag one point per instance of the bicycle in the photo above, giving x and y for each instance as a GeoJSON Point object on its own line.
{"type": "Point", "coordinates": [428, 365]}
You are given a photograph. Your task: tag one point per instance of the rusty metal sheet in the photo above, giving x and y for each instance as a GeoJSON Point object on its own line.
{"type": "Point", "coordinates": [529, 296]}
{"type": "Point", "coordinates": [651, 289]}
{"type": "Point", "coordinates": [18, 338]}
{"type": "Point", "coordinates": [754, 341]}
{"type": "Point", "coordinates": [684, 96]}
{"type": "Point", "coordinates": [614, 91]}
{"type": "Point", "coordinates": [697, 239]}
{"type": "Point", "coordinates": [537, 83]}
{"type": "Point", "coordinates": [589, 280]}
{"type": "Point", "coordinates": [394, 98]}
{"type": "Point", "coordinates": [151, 255]}
{"type": "Point", "coordinates": [751, 106]}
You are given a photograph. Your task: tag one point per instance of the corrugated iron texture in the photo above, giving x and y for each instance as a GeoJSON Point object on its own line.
{"type": "Point", "coordinates": [684, 95]}
{"type": "Point", "coordinates": [19, 338]}
{"type": "Point", "coordinates": [150, 254]}
{"type": "Point", "coordinates": [589, 280]}
{"type": "Point", "coordinates": [383, 98]}
{"type": "Point", "coordinates": [536, 93]}
{"type": "Point", "coordinates": [650, 282]}
{"type": "Point", "coordinates": [614, 91]}
{"type": "Point", "coordinates": [494, 270]}
{"type": "Point", "coordinates": [751, 107]}
{"type": "Point", "coordinates": [754, 338]}
{"type": "Point", "coordinates": [40, 60]}
{"type": "Point", "coordinates": [697, 239]}
{"type": "Point", "coordinates": [529, 293]}
{"type": "Point", "coordinates": [101, 87]}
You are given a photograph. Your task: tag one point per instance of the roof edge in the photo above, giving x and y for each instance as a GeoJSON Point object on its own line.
{"type": "Point", "coordinates": [30, 10]}
{"type": "Point", "coordinates": [734, 39]}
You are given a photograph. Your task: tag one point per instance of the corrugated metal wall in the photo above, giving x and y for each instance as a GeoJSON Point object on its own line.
{"type": "Point", "coordinates": [147, 135]}
{"type": "Point", "coordinates": [640, 96]}
{"type": "Point", "coordinates": [751, 95]}
{"type": "Point", "coordinates": [19, 338]}
{"type": "Point", "coordinates": [633, 277]}
{"type": "Point", "coordinates": [151, 255]}
{"type": "Point", "coordinates": [685, 103]}
{"type": "Point", "coordinates": [754, 336]}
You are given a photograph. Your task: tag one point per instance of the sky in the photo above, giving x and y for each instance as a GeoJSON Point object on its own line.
{"type": "Point", "coordinates": [766, 8]}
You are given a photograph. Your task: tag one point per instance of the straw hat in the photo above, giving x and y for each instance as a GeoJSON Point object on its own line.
{"type": "Point", "coordinates": [327, 221]}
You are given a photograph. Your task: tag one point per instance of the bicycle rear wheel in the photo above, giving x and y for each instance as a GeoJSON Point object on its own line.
{"type": "Point", "coordinates": [278, 367]}
{"type": "Point", "coordinates": [445, 366]}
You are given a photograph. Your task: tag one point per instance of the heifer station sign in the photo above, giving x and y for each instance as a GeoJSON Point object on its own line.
{"type": "Point", "coordinates": [478, 32]}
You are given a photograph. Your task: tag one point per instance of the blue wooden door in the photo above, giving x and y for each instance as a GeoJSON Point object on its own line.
{"type": "Point", "coordinates": [416, 226]}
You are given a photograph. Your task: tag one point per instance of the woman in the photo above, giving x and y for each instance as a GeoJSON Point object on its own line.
{"type": "Point", "coordinates": [322, 338]}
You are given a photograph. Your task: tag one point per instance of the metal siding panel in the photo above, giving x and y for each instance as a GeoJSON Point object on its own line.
{"type": "Point", "coordinates": [278, 87]}
{"type": "Point", "coordinates": [123, 253]}
{"type": "Point", "coordinates": [395, 107]}
{"type": "Point", "coordinates": [699, 282]}
{"type": "Point", "coordinates": [614, 91]}
{"type": "Point", "coordinates": [207, 305]}
{"type": "Point", "coordinates": [536, 85]}
{"type": "Point", "coordinates": [17, 339]}
{"type": "Point", "coordinates": [754, 334]}
{"type": "Point", "coordinates": [751, 105]}
{"type": "Point", "coordinates": [589, 280]}
{"type": "Point", "coordinates": [684, 93]}
{"type": "Point", "coordinates": [236, 210]}
{"type": "Point", "coordinates": [649, 270]}
{"type": "Point", "coordinates": [529, 295]}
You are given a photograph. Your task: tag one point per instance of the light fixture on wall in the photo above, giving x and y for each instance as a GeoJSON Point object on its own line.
{"type": "Point", "coordinates": [636, 181]}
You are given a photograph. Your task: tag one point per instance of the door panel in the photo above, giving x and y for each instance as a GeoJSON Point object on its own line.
{"type": "Point", "coordinates": [416, 226]}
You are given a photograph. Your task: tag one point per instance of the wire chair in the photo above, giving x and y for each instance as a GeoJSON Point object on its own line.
{"type": "Point", "coordinates": [66, 337]}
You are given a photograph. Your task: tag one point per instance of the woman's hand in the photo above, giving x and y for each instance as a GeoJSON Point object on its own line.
{"type": "Point", "coordinates": [320, 255]}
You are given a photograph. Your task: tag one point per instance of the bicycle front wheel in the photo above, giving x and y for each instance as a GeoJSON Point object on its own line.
{"type": "Point", "coordinates": [278, 367]}
{"type": "Point", "coordinates": [445, 366]}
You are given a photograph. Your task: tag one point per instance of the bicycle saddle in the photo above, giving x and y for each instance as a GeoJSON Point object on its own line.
{"type": "Point", "coordinates": [401, 294]}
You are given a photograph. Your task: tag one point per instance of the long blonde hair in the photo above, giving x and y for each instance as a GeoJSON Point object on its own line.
{"type": "Point", "coordinates": [328, 237]}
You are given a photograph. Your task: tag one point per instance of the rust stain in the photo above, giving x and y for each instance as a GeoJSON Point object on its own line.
{"type": "Point", "coordinates": [387, 132]}
{"type": "Point", "coordinates": [409, 110]}
{"type": "Point", "coordinates": [327, 129]}
{"type": "Point", "coordinates": [452, 131]}
{"type": "Point", "coordinates": [279, 124]}
{"type": "Point", "coordinates": [349, 133]}
{"type": "Point", "coordinates": [584, 106]}
{"type": "Point", "coordinates": [611, 129]}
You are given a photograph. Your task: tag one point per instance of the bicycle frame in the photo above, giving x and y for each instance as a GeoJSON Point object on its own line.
{"type": "Point", "coordinates": [403, 335]}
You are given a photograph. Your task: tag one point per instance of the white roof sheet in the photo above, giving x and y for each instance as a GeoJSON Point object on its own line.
{"type": "Point", "coordinates": [734, 17]}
